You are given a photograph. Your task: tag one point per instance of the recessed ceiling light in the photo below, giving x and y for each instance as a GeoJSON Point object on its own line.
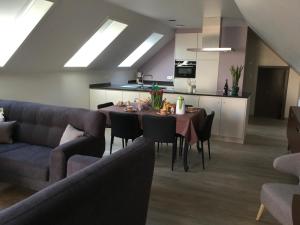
{"type": "Point", "coordinates": [172, 20]}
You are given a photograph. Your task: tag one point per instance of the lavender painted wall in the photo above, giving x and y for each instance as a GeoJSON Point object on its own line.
{"type": "Point", "coordinates": [235, 37]}
{"type": "Point", "coordinates": [160, 65]}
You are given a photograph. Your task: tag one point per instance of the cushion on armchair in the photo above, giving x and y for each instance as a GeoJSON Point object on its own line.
{"type": "Point", "coordinates": [70, 134]}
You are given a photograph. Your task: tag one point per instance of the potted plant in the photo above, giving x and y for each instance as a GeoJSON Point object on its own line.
{"type": "Point", "coordinates": [236, 74]}
{"type": "Point", "coordinates": [156, 97]}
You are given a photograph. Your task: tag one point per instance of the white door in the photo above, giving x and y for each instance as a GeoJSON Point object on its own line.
{"type": "Point", "coordinates": [97, 97]}
{"type": "Point", "coordinates": [233, 116]}
{"type": "Point", "coordinates": [211, 103]}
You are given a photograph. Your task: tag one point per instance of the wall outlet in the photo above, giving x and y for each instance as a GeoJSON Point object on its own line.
{"type": "Point", "coordinates": [169, 77]}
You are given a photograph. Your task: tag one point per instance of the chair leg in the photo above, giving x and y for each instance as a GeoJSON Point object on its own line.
{"type": "Point", "coordinates": [202, 152]}
{"type": "Point", "coordinates": [208, 143]}
{"type": "Point", "coordinates": [174, 153]}
{"type": "Point", "coordinates": [180, 146]}
{"type": "Point", "coordinates": [123, 143]}
{"type": "Point", "coordinates": [260, 212]}
{"type": "Point", "coordinates": [126, 142]}
{"type": "Point", "coordinates": [111, 143]}
{"type": "Point", "coordinates": [157, 146]}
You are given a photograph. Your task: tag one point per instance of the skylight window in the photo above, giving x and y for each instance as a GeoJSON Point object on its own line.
{"type": "Point", "coordinates": [141, 50]}
{"type": "Point", "coordinates": [107, 33]}
{"type": "Point", "coordinates": [17, 23]}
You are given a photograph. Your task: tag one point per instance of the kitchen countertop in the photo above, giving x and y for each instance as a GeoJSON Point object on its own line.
{"type": "Point", "coordinates": [168, 89]}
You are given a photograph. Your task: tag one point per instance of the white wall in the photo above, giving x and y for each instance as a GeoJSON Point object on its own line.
{"type": "Point", "coordinates": [259, 54]}
{"type": "Point", "coordinates": [61, 88]}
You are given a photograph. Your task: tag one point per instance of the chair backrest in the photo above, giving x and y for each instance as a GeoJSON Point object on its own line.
{"type": "Point", "coordinates": [159, 128]}
{"type": "Point", "coordinates": [204, 132]}
{"type": "Point", "coordinates": [104, 105]}
{"type": "Point", "coordinates": [125, 125]}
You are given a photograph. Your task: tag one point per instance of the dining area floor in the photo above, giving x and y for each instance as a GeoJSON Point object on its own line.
{"type": "Point", "coordinates": [226, 193]}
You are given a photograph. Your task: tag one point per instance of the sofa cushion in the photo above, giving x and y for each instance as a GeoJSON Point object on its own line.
{"type": "Point", "coordinates": [6, 132]}
{"type": "Point", "coordinates": [10, 147]}
{"type": "Point", "coordinates": [278, 200]}
{"type": "Point", "coordinates": [25, 160]}
{"type": "Point", "coordinates": [70, 134]}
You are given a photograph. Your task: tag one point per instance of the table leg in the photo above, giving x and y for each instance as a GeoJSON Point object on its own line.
{"type": "Point", "coordinates": [185, 156]}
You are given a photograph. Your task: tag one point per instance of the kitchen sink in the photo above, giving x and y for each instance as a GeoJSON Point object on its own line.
{"type": "Point", "coordinates": [139, 86]}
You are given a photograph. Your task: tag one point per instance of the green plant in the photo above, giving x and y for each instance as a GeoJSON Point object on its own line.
{"type": "Point", "coordinates": [156, 97]}
{"type": "Point", "coordinates": [236, 74]}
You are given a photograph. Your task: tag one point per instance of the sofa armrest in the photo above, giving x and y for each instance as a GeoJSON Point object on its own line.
{"type": "Point", "coordinates": [79, 162]}
{"type": "Point", "coordinates": [296, 209]}
{"type": "Point", "coordinates": [84, 146]}
{"type": "Point", "coordinates": [288, 164]}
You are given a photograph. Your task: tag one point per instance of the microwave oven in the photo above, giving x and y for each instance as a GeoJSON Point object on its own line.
{"type": "Point", "coordinates": [185, 69]}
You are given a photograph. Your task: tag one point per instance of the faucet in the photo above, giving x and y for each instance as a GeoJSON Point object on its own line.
{"type": "Point", "coordinates": [143, 75]}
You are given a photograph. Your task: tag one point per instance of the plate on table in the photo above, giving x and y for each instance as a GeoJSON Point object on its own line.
{"type": "Point", "coordinates": [192, 109]}
{"type": "Point", "coordinates": [163, 114]}
{"type": "Point", "coordinates": [130, 110]}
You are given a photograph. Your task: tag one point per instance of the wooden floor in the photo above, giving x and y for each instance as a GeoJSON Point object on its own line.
{"type": "Point", "coordinates": [226, 193]}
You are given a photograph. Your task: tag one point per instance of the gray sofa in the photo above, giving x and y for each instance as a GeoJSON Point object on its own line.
{"type": "Point", "coordinates": [283, 200]}
{"type": "Point", "coordinates": [36, 159]}
{"type": "Point", "coordinates": [112, 191]}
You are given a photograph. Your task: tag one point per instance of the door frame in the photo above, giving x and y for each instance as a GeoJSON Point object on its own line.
{"type": "Point", "coordinates": [286, 81]}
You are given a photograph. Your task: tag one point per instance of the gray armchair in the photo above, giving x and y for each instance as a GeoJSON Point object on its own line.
{"type": "Point", "coordinates": [283, 200]}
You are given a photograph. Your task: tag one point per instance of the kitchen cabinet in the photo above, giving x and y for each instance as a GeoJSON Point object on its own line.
{"type": "Point", "coordinates": [114, 96]}
{"type": "Point", "coordinates": [211, 103]}
{"type": "Point", "coordinates": [130, 96]}
{"type": "Point", "coordinates": [183, 41]}
{"type": "Point", "coordinates": [233, 118]}
{"type": "Point", "coordinates": [97, 97]}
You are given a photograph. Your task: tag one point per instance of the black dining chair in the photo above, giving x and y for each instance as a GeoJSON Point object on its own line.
{"type": "Point", "coordinates": [125, 126]}
{"type": "Point", "coordinates": [104, 105]}
{"type": "Point", "coordinates": [161, 129]}
{"type": "Point", "coordinates": [204, 134]}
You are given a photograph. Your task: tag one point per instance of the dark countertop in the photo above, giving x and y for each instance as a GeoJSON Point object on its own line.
{"type": "Point", "coordinates": [170, 90]}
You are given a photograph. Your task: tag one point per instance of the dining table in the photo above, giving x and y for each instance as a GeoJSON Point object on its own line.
{"type": "Point", "coordinates": [186, 124]}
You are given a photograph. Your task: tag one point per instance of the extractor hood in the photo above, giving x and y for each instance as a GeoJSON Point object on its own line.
{"type": "Point", "coordinates": [211, 36]}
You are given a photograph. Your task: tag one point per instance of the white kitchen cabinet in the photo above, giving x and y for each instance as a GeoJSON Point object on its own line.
{"type": "Point", "coordinates": [114, 96]}
{"type": "Point", "coordinates": [130, 96]}
{"type": "Point", "coordinates": [233, 118]}
{"type": "Point", "coordinates": [144, 95]}
{"type": "Point", "coordinates": [171, 97]}
{"type": "Point", "coordinates": [183, 41]}
{"type": "Point", "coordinates": [191, 100]}
{"type": "Point", "coordinates": [212, 103]}
{"type": "Point", "coordinates": [97, 97]}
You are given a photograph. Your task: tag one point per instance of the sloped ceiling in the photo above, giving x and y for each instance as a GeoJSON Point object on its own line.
{"type": "Point", "coordinates": [277, 22]}
{"type": "Point", "coordinates": [189, 13]}
{"type": "Point", "coordinates": [70, 23]}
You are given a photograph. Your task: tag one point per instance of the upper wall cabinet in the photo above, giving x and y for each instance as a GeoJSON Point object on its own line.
{"type": "Point", "coordinates": [183, 41]}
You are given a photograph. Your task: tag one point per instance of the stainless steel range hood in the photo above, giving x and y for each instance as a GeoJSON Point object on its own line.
{"type": "Point", "coordinates": [211, 39]}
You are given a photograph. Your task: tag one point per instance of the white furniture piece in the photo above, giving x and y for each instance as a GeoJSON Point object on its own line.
{"type": "Point", "coordinates": [231, 113]}
{"type": "Point", "coordinates": [183, 41]}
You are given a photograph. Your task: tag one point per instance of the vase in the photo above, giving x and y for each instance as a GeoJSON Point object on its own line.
{"type": "Point", "coordinates": [235, 91]}
{"type": "Point", "coordinates": [156, 101]}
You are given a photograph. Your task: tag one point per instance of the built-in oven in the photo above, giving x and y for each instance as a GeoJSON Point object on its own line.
{"type": "Point", "coordinates": [185, 69]}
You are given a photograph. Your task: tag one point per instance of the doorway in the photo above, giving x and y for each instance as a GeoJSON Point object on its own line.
{"type": "Point", "coordinates": [271, 92]}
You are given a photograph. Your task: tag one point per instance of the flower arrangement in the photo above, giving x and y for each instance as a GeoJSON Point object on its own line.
{"type": "Point", "coordinates": [156, 97]}
{"type": "Point", "coordinates": [236, 74]}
